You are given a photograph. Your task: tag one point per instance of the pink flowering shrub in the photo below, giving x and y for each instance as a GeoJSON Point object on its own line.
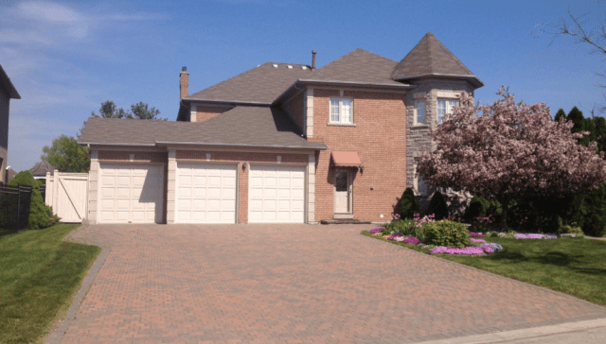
{"type": "Point", "coordinates": [511, 150]}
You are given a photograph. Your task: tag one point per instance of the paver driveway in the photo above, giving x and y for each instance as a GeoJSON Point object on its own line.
{"type": "Point", "coordinates": [293, 284]}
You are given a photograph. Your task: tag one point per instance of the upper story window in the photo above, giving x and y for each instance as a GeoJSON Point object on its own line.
{"type": "Point", "coordinates": [341, 110]}
{"type": "Point", "coordinates": [445, 106]}
{"type": "Point", "coordinates": [420, 117]}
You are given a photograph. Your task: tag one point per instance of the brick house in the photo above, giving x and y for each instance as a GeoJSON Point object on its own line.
{"type": "Point", "coordinates": [7, 92]}
{"type": "Point", "coordinates": [280, 143]}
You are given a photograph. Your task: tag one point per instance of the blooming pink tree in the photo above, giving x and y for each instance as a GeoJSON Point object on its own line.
{"type": "Point", "coordinates": [508, 152]}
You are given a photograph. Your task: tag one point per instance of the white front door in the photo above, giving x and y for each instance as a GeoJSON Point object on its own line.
{"type": "Point", "coordinates": [342, 192]}
{"type": "Point", "coordinates": [131, 194]}
{"type": "Point", "coordinates": [206, 193]}
{"type": "Point", "coordinates": [276, 194]}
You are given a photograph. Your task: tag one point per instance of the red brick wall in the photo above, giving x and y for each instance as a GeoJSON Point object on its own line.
{"type": "Point", "coordinates": [204, 113]}
{"type": "Point", "coordinates": [243, 157]}
{"type": "Point", "coordinates": [296, 111]}
{"type": "Point", "coordinates": [379, 138]}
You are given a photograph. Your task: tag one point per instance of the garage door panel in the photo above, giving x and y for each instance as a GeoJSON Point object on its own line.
{"type": "Point", "coordinates": [211, 193]}
{"type": "Point", "coordinates": [131, 194]}
{"type": "Point", "coordinates": [122, 192]}
{"type": "Point", "coordinates": [279, 197]}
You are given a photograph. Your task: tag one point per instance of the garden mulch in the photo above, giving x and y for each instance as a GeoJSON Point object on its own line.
{"type": "Point", "coordinates": [294, 284]}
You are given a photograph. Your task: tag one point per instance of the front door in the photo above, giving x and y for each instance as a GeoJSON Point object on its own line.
{"type": "Point", "coordinates": [342, 192]}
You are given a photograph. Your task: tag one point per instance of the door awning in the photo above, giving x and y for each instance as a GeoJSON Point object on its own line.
{"type": "Point", "coordinates": [346, 159]}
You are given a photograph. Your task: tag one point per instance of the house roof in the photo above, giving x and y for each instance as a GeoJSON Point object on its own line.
{"type": "Point", "coordinates": [11, 174]}
{"type": "Point", "coordinates": [241, 126]}
{"type": "Point", "coordinates": [358, 66]}
{"type": "Point", "coordinates": [7, 85]}
{"type": "Point", "coordinates": [431, 58]}
{"type": "Point", "coordinates": [262, 84]}
{"type": "Point", "coordinates": [40, 169]}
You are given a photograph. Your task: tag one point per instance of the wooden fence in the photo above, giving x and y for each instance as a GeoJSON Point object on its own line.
{"type": "Point", "coordinates": [67, 194]}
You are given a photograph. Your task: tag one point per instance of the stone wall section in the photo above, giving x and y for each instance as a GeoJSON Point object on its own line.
{"type": "Point", "coordinates": [418, 138]}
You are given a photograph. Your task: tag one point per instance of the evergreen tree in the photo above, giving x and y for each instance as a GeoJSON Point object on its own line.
{"type": "Point", "coordinates": [438, 206]}
{"type": "Point", "coordinates": [407, 206]}
{"type": "Point", "coordinates": [559, 115]}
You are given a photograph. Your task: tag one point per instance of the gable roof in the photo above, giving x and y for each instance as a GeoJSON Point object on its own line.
{"type": "Point", "coordinates": [40, 169]}
{"type": "Point", "coordinates": [358, 66]}
{"type": "Point", "coordinates": [262, 84]}
{"type": "Point", "coordinates": [431, 58]}
{"type": "Point", "coordinates": [241, 126]}
{"type": "Point", "coordinates": [7, 85]}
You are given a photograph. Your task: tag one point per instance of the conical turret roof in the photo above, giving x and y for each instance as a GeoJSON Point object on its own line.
{"type": "Point", "coordinates": [431, 58]}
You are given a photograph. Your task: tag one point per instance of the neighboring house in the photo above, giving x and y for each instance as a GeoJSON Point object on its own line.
{"type": "Point", "coordinates": [10, 174]}
{"type": "Point", "coordinates": [280, 143]}
{"type": "Point", "coordinates": [39, 170]}
{"type": "Point", "coordinates": [7, 92]}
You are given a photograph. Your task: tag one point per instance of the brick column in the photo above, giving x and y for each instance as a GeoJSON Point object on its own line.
{"type": "Point", "coordinates": [171, 188]}
{"type": "Point", "coordinates": [309, 113]}
{"type": "Point", "coordinates": [93, 187]}
{"type": "Point", "coordinates": [311, 189]}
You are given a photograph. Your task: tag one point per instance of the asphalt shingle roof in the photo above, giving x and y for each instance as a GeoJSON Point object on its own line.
{"type": "Point", "coordinates": [262, 84]}
{"type": "Point", "coordinates": [40, 169]}
{"type": "Point", "coordinates": [358, 66]}
{"type": "Point", "coordinates": [240, 126]}
{"type": "Point", "coordinates": [430, 57]}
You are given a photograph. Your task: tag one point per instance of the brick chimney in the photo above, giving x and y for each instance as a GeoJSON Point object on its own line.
{"type": "Point", "coordinates": [184, 83]}
{"type": "Point", "coordinates": [313, 59]}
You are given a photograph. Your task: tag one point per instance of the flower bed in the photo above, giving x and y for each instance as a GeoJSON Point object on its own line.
{"type": "Point", "coordinates": [471, 250]}
{"type": "Point", "coordinates": [535, 236]}
{"type": "Point", "coordinates": [477, 235]}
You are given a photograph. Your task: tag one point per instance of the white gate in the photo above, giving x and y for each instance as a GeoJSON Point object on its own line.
{"type": "Point", "coordinates": [67, 194]}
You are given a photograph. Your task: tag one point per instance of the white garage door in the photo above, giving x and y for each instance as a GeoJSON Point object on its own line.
{"type": "Point", "coordinates": [206, 193]}
{"type": "Point", "coordinates": [276, 194]}
{"type": "Point", "coordinates": [131, 194]}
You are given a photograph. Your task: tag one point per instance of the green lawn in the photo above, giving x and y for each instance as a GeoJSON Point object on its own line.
{"type": "Point", "coordinates": [573, 266]}
{"type": "Point", "coordinates": [39, 273]}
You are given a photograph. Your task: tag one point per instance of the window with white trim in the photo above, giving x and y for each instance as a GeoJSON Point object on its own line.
{"type": "Point", "coordinates": [445, 106]}
{"type": "Point", "coordinates": [420, 187]}
{"type": "Point", "coordinates": [341, 110]}
{"type": "Point", "coordinates": [420, 117]}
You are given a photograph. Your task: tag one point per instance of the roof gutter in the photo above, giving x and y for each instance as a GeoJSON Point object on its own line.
{"type": "Point", "coordinates": [117, 144]}
{"type": "Point", "coordinates": [354, 83]}
{"type": "Point", "coordinates": [478, 82]}
{"type": "Point", "coordinates": [323, 147]}
{"type": "Point", "coordinates": [227, 102]}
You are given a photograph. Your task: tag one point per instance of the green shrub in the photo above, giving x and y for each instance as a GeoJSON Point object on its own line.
{"type": "Point", "coordinates": [407, 206]}
{"type": "Point", "coordinates": [447, 233]}
{"type": "Point", "coordinates": [38, 211]}
{"type": "Point", "coordinates": [438, 206]}
{"type": "Point", "coordinates": [573, 229]}
{"type": "Point", "coordinates": [403, 227]}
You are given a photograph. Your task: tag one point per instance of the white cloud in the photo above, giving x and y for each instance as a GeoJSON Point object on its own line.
{"type": "Point", "coordinates": [43, 45]}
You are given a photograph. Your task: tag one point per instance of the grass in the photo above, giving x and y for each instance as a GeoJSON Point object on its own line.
{"type": "Point", "coordinates": [39, 273]}
{"type": "Point", "coordinates": [571, 265]}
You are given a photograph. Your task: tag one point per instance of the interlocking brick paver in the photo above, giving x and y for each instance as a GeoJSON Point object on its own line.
{"type": "Point", "coordinates": [293, 284]}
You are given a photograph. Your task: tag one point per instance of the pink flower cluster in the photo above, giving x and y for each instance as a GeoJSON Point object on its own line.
{"type": "Point", "coordinates": [462, 251]}
{"type": "Point", "coordinates": [400, 238]}
{"type": "Point", "coordinates": [535, 236]}
{"type": "Point", "coordinates": [376, 230]}
{"type": "Point", "coordinates": [478, 240]}
{"type": "Point", "coordinates": [478, 235]}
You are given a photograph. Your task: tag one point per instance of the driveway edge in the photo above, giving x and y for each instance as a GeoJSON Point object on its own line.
{"type": "Point", "coordinates": [60, 327]}
{"type": "Point", "coordinates": [530, 333]}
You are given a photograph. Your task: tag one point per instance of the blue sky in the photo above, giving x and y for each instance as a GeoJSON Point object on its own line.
{"type": "Point", "coordinates": [66, 57]}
